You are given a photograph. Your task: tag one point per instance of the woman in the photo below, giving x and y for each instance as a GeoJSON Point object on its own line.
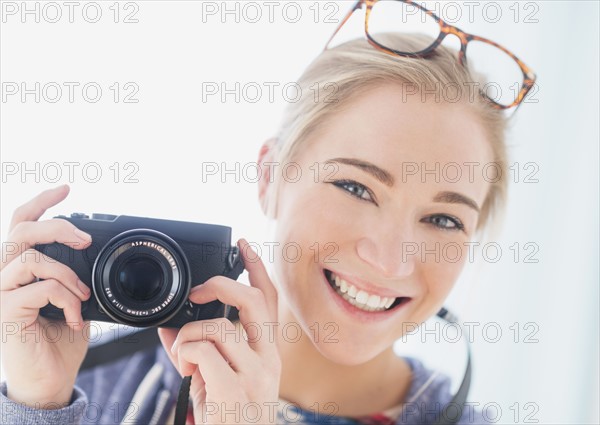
{"type": "Point", "coordinates": [363, 208]}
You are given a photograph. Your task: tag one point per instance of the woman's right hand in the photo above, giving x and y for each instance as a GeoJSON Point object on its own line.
{"type": "Point", "coordinates": [41, 362]}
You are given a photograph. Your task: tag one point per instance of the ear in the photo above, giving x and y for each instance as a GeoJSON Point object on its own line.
{"type": "Point", "coordinates": [266, 155]}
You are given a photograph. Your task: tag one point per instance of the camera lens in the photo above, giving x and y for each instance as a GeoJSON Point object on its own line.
{"type": "Point", "coordinates": [141, 278]}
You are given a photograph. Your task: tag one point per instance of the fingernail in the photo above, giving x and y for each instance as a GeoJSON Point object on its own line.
{"type": "Point", "coordinates": [196, 288]}
{"type": "Point", "coordinates": [173, 347]}
{"type": "Point", "coordinates": [244, 242]}
{"type": "Point", "coordinates": [82, 235]}
{"type": "Point", "coordinates": [83, 288]}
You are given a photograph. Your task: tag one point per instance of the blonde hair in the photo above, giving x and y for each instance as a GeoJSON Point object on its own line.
{"type": "Point", "coordinates": [354, 67]}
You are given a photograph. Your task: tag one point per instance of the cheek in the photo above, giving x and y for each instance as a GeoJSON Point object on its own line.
{"type": "Point", "coordinates": [312, 215]}
{"type": "Point", "coordinates": [297, 238]}
{"type": "Point", "coordinates": [438, 275]}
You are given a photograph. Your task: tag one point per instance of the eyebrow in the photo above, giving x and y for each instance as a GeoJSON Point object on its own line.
{"type": "Point", "coordinates": [455, 198]}
{"type": "Point", "coordinates": [387, 179]}
{"type": "Point", "coordinates": [379, 173]}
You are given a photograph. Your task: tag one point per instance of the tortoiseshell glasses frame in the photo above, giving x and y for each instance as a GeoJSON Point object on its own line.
{"type": "Point", "coordinates": [529, 76]}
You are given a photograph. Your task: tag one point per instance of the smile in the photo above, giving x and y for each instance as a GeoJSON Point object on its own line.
{"type": "Point", "coordinates": [361, 299]}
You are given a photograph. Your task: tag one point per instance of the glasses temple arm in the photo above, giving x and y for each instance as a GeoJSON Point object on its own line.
{"type": "Point", "coordinates": [358, 5]}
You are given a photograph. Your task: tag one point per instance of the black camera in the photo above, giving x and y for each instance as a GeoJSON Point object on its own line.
{"type": "Point", "coordinates": [141, 270]}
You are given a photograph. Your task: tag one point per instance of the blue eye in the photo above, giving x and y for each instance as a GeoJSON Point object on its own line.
{"type": "Point", "coordinates": [441, 221]}
{"type": "Point", "coordinates": [355, 189]}
{"type": "Point", "coordinates": [445, 222]}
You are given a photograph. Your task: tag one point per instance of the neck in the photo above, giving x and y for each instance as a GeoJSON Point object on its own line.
{"type": "Point", "coordinates": [313, 382]}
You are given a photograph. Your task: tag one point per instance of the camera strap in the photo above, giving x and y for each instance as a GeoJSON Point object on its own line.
{"type": "Point", "coordinates": [460, 398]}
{"type": "Point", "coordinates": [183, 397]}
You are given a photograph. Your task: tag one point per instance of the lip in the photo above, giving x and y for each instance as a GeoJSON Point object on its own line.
{"type": "Point", "coordinates": [363, 316]}
{"type": "Point", "coordinates": [367, 287]}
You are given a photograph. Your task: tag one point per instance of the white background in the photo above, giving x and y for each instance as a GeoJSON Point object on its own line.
{"type": "Point", "coordinates": [175, 47]}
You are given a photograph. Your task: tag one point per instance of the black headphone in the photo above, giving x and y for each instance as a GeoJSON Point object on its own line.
{"type": "Point", "coordinates": [148, 338]}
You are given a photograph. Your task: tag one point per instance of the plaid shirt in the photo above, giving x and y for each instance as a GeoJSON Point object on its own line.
{"type": "Point", "coordinates": [143, 388]}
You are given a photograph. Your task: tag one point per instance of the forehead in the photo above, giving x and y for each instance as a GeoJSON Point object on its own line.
{"type": "Point", "coordinates": [386, 127]}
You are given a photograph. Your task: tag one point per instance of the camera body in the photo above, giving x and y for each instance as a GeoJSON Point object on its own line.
{"type": "Point", "coordinates": [141, 270]}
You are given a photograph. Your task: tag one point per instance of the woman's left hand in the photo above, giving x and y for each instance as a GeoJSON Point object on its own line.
{"type": "Point", "coordinates": [234, 380]}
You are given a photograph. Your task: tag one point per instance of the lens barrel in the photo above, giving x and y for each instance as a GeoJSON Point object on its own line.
{"type": "Point", "coordinates": [141, 278]}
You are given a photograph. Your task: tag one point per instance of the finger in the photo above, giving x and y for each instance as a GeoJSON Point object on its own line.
{"type": "Point", "coordinates": [227, 338]}
{"type": "Point", "coordinates": [26, 234]}
{"type": "Point", "coordinates": [22, 306]}
{"type": "Point", "coordinates": [36, 207]}
{"type": "Point", "coordinates": [198, 396]}
{"type": "Point", "coordinates": [49, 231]}
{"type": "Point", "coordinates": [219, 378]}
{"type": "Point", "coordinates": [34, 264]}
{"type": "Point", "coordinates": [185, 367]}
{"type": "Point", "coordinates": [198, 388]}
{"type": "Point", "coordinates": [258, 276]}
{"type": "Point", "coordinates": [167, 337]}
{"type": "Point", "coordinates": [250, 302]}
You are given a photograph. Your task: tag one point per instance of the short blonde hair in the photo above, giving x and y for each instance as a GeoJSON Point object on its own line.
{"type": "Point", "coordinates": [356, 66]}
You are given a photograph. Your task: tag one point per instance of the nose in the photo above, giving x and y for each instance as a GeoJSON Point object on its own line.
{"type": "Point", "coordinates": [391, 254]}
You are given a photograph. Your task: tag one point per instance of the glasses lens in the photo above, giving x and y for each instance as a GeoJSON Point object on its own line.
{"type": "Point", "coordinates": [400, 17]}
{"type": "Point", "coordinates": [497, 74]}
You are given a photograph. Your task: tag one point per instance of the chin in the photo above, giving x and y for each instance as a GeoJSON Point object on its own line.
{"type": "Point", "coordinates": [345, 349]}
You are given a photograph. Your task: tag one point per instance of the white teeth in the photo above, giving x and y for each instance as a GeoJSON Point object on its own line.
{"type": "Point", "coordinates": [360, 298]}
{"type": "Point", "coordinates": [373, 301]}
